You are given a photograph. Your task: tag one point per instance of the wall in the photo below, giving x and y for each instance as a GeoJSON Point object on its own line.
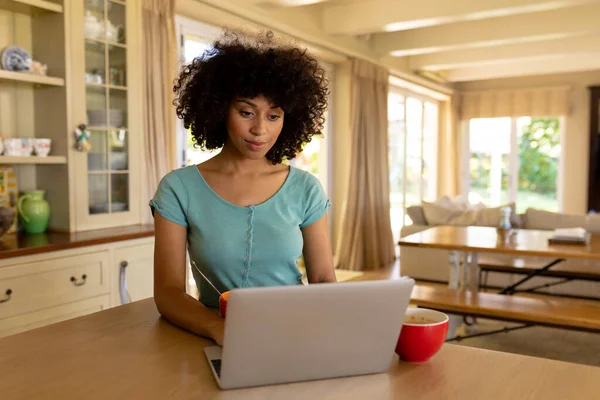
{"type": "Point", "coordinates": [575, 145]}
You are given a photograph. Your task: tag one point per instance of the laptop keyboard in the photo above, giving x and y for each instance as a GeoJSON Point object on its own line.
{"type": "Point", "coordinates": [217, 366]}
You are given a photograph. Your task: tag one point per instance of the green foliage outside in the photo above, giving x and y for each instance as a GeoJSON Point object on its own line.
{"type": "Point", "coordinates": [538, 156]}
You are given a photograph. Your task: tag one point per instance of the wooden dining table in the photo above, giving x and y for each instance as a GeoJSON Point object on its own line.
{"type": "Point", "coordinates": [465, 243]}
{"type": "Point", "coordinates": [130, 352]}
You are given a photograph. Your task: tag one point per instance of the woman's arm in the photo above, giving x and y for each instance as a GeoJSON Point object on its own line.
{"type": "Point", "coordinates": [171, 299]}
{"type": "Point", "coordinates": [318, 257]}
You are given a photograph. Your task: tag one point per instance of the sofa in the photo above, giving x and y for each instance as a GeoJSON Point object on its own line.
{"type": "Point", "coordinates": [433, 264]}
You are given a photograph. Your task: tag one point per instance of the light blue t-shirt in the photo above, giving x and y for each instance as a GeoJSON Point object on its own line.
{"type": "Point", "coordinates": [237, 246]}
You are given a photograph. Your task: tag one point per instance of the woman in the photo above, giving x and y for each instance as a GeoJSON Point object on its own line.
{"type": "Point", "coordinates": [245, 216]}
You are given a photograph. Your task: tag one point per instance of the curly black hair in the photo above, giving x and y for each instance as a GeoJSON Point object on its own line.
{"type": "Point", "coordinates": [238, 66]}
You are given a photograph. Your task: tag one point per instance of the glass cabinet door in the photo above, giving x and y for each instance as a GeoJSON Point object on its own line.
{"type": "Point", "coordinates": [106, 105]}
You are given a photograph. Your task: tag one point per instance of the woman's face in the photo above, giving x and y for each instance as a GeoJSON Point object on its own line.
{"type": "Point", "coordinates": [254, 125]}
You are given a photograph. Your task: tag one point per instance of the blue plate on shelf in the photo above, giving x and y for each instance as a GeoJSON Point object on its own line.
{"type": "Point", "coordinates": [15, 58]}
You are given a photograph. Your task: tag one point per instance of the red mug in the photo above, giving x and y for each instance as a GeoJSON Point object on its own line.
{"type": "Point", "coordinates": [422, 335]}
{"type": "Point", "coordinates": [223, 303]}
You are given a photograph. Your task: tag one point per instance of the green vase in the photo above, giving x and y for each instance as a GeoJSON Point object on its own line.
{"type": "Point", "coordinates": [34, 211]}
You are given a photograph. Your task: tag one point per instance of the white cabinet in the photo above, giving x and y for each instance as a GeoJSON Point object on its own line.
{"type": "Point", "coordinates": [135, 272]}
{"type": "Point", "coordinates": [46, 288]}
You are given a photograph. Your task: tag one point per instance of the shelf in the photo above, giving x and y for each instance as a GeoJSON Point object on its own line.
{"type": "Point", "coordinates": [33, 160]}
{"type": "Point", "coordinates": [105, 128]}
{"type": "Point", "coordinates": [106, 172]}
{"type": "Point", "coordinates": [31, 78]}
{"type": "Point", "coordinates": [104, 86]}
{"type": "Point", "coordinates": [30, 7]}
{"type": "Point", "coordinates": [102, 41]}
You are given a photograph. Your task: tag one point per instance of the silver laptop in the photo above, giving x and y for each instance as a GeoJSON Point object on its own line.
{"type": "Point", "coordinates": [298, 333]}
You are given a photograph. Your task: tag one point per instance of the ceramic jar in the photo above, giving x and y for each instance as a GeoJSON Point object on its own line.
{"type": "Point", "coordinates": [34, 211]}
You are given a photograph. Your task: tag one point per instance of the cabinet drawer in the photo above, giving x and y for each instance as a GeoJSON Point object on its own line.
{"type": "Point", "coordinates": [34, 286]}
{"type": "Point", "coordinates": [37, 319]}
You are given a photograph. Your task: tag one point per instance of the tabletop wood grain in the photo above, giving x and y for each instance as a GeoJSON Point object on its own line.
{"type": "Point", "coordinates": [526, 242]}
{"type": "Point", "coordinates": [129, 352]}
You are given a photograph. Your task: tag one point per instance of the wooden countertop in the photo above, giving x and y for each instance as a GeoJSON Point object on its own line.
{"type": "Point", "coordinates": [22, 244]}
{"type": "Point", "coordinates": [526, 242]}
{"type": "Point", "coordinates": [130, 352]}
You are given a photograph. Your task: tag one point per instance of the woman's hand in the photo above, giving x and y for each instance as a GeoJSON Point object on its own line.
{"type": "Point", "coordinates": [218, 332]}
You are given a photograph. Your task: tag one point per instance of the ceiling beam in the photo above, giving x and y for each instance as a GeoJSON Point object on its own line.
{"type": "Point", "coordinates": [563, 64]}
{"type": "Point", "coordinates": [395, 15]}
{"type": "Point", "coordinates": [492, 32]}
{"type": "Point", "coordinates": [505, 54]}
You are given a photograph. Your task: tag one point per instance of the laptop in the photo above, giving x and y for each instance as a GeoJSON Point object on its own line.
{"type": "Point", "coordinates": [287, 334]}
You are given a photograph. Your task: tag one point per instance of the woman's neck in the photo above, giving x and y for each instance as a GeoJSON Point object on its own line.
{"type": "Point", "coordinates": [230, 161]}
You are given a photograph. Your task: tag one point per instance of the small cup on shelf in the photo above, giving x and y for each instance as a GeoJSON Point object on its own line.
{"type": "Point", "coordinates": [13, 146]}
{"type": "Point", "coordinates": [42, 146]}
{"type": "Point", "coordinates": [27, 146]}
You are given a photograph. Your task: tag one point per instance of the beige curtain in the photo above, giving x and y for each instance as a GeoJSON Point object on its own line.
{"type": "Point", "coordinates": [160, 68]}
{"type": "Point", "coordinates": [365, 239]}
{"type": "Point", "coordinates": [449, 149]}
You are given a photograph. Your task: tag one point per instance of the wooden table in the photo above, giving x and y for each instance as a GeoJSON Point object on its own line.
{"type": "Point", "coordinates": [465, 243]}
{"type": "Point", "coordinates": [129, 352]}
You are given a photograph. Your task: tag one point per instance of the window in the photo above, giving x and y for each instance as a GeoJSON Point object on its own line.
{"type": "Point", "coordinates": [412, 138]}
{"type": "Point", "coordinates": [194, 39]}
{"type": "Point", "coordinates": [514, 160]}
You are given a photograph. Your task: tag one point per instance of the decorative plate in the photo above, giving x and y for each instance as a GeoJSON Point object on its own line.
{"type": "Point", "coordinates": [15, 58]}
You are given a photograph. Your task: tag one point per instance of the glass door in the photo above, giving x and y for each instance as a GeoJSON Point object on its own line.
{"type": "Point", "coordinates": [396, 157]}
{"type": "Point", "coordinates": [107, 98]}
{"type": "Point", "coordinates": [106, 106]}
{"type": "Point", "coordinates": [413, 153]}
{"type": "Point", "coordinates": [489, 160]}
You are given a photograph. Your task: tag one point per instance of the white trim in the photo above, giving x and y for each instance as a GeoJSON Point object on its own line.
{"type": "Point", "coordinates": [562, 122]}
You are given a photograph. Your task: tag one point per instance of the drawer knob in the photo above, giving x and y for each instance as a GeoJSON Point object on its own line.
{"type": "Point", "coordinates": [81, 283]}
{"type": "Point", "coordinates": [7, 297]}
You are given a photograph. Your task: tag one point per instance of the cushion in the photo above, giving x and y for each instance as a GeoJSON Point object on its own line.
{"type": "Point", "coordinates": [439, 215]}
{"type": "Point", "coordinates": [548, 220]}
{"type": "Point", "coordinates": [458, 202]}
{"type": "Point", "coordinates": [415, 213]}
{"type": "Point", "coordinates": [436, 214]}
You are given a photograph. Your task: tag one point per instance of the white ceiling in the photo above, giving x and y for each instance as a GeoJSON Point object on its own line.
{"type": "Point", "coordinates": [461, 40]}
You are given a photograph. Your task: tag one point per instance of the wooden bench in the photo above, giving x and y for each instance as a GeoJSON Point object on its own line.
{"type": "Point", "coordinates": [530, 309]}
{"type": "Point", "coordinates": [521, 266]}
